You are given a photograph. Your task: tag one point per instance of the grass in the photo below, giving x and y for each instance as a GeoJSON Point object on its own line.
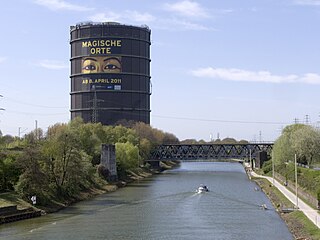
{"type": "Point", "coordinates": [307, 227]}
{"type": "Point", "coordinates": [12, 198]}
{"type": "Point", "coordinates": [299, 225]}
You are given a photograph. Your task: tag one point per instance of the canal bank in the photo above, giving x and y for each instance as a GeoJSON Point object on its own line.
{"type": "Point", "coordinates": [297, 221]}
{"type": "Point", "coordinates": [12, 200]}
{"type": "Point", "coordinates": [166, 206]}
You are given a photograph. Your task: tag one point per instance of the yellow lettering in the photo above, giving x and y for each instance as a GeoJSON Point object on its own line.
{"type": "Point", "coordinates": [102, 43]}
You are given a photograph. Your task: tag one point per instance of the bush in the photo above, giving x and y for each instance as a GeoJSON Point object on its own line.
{"type": "Point", "coordinates": [267, 167]}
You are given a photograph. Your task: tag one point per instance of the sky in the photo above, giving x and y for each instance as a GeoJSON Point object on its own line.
{"type": "Point", "coordinates": [241, 69]}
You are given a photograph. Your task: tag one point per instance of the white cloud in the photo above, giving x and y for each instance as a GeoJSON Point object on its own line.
{"type": "Point", "coordinates": [2, 59]}
{"type": "Point", "coordinates": [126, 16]}
{"type": "Point", "coordinates": [106, 17]}
{"type": "Point", "coordinates": [61, 5]}
{"type": "Point", "coordinates": [187, 8]}
{"type": "Point", "coordinates": [52, 64]}
{"type": "Point", "coordinates": [146, 18]}
{"type": "Point", "coordinates": [308, 2]}
{"type": "Point", "coordinates": [179, 24]}
{"type": "Point", "coordinates": [140, 17]}
{"type": "Point", "coordinates": [240, 75]}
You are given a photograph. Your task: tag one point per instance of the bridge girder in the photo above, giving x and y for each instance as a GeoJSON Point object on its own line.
{"type": "Point", "coordinates": [208, 151]}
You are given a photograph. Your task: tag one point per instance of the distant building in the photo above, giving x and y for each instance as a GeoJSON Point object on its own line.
{"type": "Point", "coordinates": [110, 72]}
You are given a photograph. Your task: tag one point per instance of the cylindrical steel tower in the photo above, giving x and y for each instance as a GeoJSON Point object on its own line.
{"type": "Point", "coordinates": [110, 72]}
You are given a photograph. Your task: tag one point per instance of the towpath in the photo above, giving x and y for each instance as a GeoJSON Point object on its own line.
{"type": "Point", "coordinates": [310, 212]}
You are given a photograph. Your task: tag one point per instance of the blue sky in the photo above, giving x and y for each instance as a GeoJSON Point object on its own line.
{"type": "Point", "coordinates": [242, 69]}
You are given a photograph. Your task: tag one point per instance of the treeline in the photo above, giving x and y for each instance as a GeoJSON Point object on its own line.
{"type": "Point", "coordinates": [62, 162]}
{"type": "Point", "coordinates": [216, 141]}
{"type": "Point", "coordinates": [304, 142]}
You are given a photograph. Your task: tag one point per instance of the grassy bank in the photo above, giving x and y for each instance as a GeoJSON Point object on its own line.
{"type": "Point", "coordinates": [299, 225]}
{"type": "Point", "coordinates": [54, 205]}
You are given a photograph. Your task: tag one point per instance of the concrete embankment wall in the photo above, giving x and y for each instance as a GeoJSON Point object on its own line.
{"type": "Point", "coordinates": [11, 214]}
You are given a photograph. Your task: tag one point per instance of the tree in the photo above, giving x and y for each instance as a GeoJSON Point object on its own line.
{"type": "Point", "coordinates": [9, 173]}
{"type": "Point", "coordinates": [6, 140]}
{"type": "Point", "coordinates": [228, 141]}
{"type": "Point", "coordinates": [90, 137]}
{"type": "Point", "coordinates": [306, 144]}
{"type": "Point", "coordinates": [68, 166]}
{"type": "Point", "coordinates": [145, 148]}
{"type": "Point", "coordinates": [283, 150]}
{"type": "Point", "coordinates": [32, 181]}
{"type": "Point", "coordinates": [127, 155]}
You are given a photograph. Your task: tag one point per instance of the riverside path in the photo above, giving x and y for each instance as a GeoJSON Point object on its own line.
{"type": "Point", "coordinates": [310, 212]}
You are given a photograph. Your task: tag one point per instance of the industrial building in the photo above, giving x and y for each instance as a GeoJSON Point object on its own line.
{"type": "Point", "coordinates": [110, 72]}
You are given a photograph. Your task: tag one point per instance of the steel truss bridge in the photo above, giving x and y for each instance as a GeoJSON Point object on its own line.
{"type": "Point", "coordinates": [191, 152]}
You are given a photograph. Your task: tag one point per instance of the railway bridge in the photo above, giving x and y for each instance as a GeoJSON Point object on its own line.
{"type": "Point", "coordinates": [258, 152]}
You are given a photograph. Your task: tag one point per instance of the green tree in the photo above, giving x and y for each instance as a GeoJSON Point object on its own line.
{"type": "Point", "coordinates": [127, 155]}
{"type": "Point", "coordinates": [145, 148]}
{"type": "Point", "coordinates": [283, 150]}
{"type": "Point", "coordinates": [229, 141]}
{"type": "Point", "coordinates": [306, 144]}
{"type": "Point", "coordinates": [90, 138]}
{"type": "Point", "coordinates": [68, 166]}
{"type": "Point", "coordinates": [32, 181]}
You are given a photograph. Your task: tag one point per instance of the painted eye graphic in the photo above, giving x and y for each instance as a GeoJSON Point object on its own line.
{"type": "Point", "coordinates": [111, 67]}
{"type": "Point", "coordinates": [89, 67]}
{"type": "Point", "coordinates": [112, 64]}
{"type": "Point", "coordinates": [101, 64]}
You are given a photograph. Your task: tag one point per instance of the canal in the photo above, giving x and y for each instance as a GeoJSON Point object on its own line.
{"type": "Point", "coordinates": [166, 206]}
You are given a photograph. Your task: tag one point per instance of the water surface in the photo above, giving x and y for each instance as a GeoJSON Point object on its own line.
{"type": "Point", "coordinates": [166, 206]}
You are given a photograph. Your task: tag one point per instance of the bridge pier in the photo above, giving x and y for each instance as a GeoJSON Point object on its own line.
{"type": "Point", "coordinates": [154, 164]}
{"type": "Point", "coordinates": [108, 161]}
{"type": "Point", "coordinates": [262, 156]}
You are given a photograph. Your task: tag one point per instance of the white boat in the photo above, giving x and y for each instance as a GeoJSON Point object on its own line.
{"type": "Point", "coordinates": [202, 188]}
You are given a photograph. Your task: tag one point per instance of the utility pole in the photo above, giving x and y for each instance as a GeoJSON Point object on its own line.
{"type": "Point", "coordinates": [307, 119]}
{"type": "Point", "coordinates": [296, 178]}
{"type": "Point", "coordinates": [260, 136]}
{"type": "Point", "coordinates": [250, 159]}
{"type": "Point", "coordinates": [1, 109]}
{"type": "Point", "coordinates": [272, 157]}
{"type": "Point", "coordinates": [19, 131]}
{"type": "Point", "coordinates": [36, 132]}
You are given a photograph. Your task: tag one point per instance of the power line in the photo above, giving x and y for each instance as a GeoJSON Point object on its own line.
{"type": "Point", "coordinates": [219, 120]}
{"type": "Point", "coordinates": [30, 104]}
{"type": "Point", "coordinates": [38, 114]}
